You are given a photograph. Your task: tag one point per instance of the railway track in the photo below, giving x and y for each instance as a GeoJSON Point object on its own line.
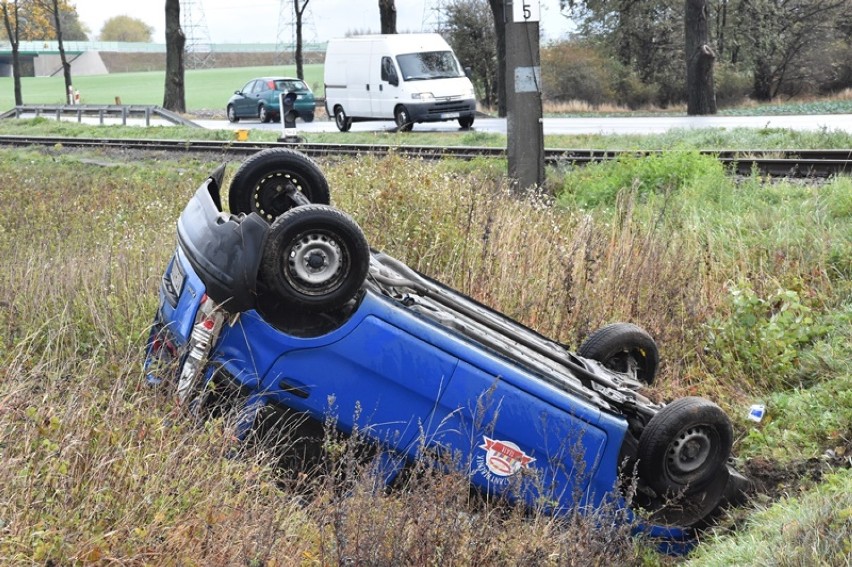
{"type": "Point", "coordinates": [777, 163]}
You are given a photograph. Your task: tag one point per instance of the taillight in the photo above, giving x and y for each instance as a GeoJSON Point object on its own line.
{"type": "Point", "coordinates": [205, 332]}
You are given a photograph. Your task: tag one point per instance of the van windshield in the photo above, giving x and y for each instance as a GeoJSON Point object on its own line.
{"type": "Point", "coordinates": [428, 65]}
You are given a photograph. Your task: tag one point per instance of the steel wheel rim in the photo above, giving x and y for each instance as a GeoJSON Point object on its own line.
{"type": "Point", "coordinates": [689, 452]}
{"type": "Point", "coordinates": [316, 263]}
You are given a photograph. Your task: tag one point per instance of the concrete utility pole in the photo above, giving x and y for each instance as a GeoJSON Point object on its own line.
{"type": "Point", "coordinates": [523, 94]}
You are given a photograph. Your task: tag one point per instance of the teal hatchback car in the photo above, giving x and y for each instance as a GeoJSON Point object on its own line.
{"type": "Point", "coordinates": [260, 99]}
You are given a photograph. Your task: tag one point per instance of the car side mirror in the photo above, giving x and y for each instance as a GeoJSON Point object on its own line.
{"type": "Point", "coordinates": [238, 92]}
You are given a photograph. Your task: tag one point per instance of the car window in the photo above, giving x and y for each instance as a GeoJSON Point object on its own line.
{"type": "Point", "coordinates": [259, 86]}
{"type": "Point", "coordinates": [290, 85]}
{"type": "Point", "coordinates": [247, 89]}
{"type": "Point", "coordinates": [388, 70]}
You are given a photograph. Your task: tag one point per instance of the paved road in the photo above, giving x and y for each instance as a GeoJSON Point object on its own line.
{"type": "Point", "coordinates": [626, 125]}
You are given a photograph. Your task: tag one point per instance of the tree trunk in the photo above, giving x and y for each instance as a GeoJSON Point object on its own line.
{"type": "Point", "coordinates": [763, 81]}
{"type": "Point", "coordinates": [497, 9]}
{"type": "Point", "coordinates": [66, 66]}
{"type": "Point", "coordinates": [700, 90]}
{"type": "Point", "coordinates": [387, 15]}
{"type": "Point", "coordinates": [175, 96]}
{"type": "Point", "coordinates": [299, 11]}
{"type": "Point", "coordinates": [13, 34]}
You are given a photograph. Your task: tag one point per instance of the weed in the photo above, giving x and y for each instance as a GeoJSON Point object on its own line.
{"type": "Point", "coordinates": [762, 338]}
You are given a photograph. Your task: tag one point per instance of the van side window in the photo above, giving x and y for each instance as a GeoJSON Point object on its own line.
{"type": "Point", "coordinates": [389, 71]}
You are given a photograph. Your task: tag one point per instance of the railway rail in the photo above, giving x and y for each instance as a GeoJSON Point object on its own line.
{"type": "Point", "coordinates": [777, 163]}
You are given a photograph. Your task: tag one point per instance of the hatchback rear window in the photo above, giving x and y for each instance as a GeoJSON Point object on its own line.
{"type": "Point", "coordinates": [288, 86]}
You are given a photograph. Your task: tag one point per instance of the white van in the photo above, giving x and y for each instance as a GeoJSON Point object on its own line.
{"type": "Point", "coordinates": [407, 78]}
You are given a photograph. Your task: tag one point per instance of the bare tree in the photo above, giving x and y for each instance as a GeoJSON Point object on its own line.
{"type": "Point", "coordinates": [175, 94]}
{"type": "Point", "coordinates": [53, 7]}
{"type": "Point", "coordinates": [299, 10]}
{"type": "Point", "coordinates": [13, 32]}
{"type": "Point", "coordinates": [387, 15]}
{"type": "Point", "coordinates": [700, 91]}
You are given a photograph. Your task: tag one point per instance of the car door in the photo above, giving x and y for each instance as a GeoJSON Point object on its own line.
{"type": "Point", "coordinates": [517, 437]}
{"type": "Point", "coordinates": [245, 104]}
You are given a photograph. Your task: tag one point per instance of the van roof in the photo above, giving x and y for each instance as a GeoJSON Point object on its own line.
{"type": "Point", "coordinates": [413, 39]}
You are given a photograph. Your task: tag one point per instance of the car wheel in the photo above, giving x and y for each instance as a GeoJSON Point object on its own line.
{"type": "Point", "coordinates": [344, 123]}
{"type": "Point", "coordinates": [315, 258]}
{"type": "Point", "coordinates": [232, 114]}
{"type": "Point", "coordinates": [262, 182]}
{"type": "Point", "coordinates": [308, 117]}
{"type": "Point", "coordinates": [402, 119]}
{"type": "Point", "coordinates": [684, 446]}
{"type": "Point", "coordinates": [692, 509]}
{"type": "Point", "coordinates": [263, 114]}
{"type": "Point", "coordinates": [625, 348]}
{"type": "Point", "coordinates": [466, 122]}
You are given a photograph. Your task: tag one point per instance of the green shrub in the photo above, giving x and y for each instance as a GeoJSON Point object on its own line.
{"type": "Point", "coordinates": [762, 338]}
{"type": "Point", "coordinates": [600, 184]}
{"type": "Point", "coordinates": [575, 72]}
{"type": "Point", "coordinates": [732, 85]}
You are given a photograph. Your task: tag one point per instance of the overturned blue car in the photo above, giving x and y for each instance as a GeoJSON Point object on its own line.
{"type": "Point", "coordinates": [284, 301]}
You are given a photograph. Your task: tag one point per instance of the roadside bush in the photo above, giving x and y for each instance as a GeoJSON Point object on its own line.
{"type": "Point", "coordinates": [762, 338]}
{"type": "Point", "coordinates": [575, 72]}
{"type": "Point", "coordinates": [631, 91]}
{"type": "Point", "coordinates": [732, 85]}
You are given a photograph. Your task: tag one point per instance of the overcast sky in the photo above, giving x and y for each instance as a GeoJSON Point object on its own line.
{"type": "Point", "coordinates": [257, 21]}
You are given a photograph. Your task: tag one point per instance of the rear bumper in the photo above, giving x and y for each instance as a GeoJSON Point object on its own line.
{"type": "Point", "coordinates": [224, 250]}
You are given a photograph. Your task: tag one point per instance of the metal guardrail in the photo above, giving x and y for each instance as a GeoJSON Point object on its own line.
{"type": "Point", "coordinates": [102, 111]}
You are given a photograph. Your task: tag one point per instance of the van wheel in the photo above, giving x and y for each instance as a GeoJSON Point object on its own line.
{"type": "Point", "coordinates": [316, 258]}
{"type": "Point", "coordinates": [344, 123]}
{"type": "Point", "coordinates": [402, 119]}
{"type": "Point", "coordinates": [466, 122]}
{"type": "Point", "coordinates": [261, 183]}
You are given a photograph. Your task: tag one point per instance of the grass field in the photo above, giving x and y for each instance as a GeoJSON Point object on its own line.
{"type": "Point", "coordinates": [745, 282]}
{"type": "Point", "coordinates": [205, 88]}
{"type": "Point", "coordinates": [209, 89]}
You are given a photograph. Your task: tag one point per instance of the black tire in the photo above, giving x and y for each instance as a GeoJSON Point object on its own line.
{"type": "Point", "coordinates": [308, 117]}
{"type": "Point", "coordinates": [684, 446]}
{"type": "Point", "coordinates": [259, 183]}
{"type": "Point", "coordinates": [232, 114]}
{"type": "Point", "coordinates": [626, 348]}
{"type": "Point", "coordinates": [466, 122]}
{"type": "Point", "coordinates": [402, 119]}
{"type": "Point", "coordinates": [315, 258]}
{"type": "Point", "coordinates": [344, 123]}
{"type": "Point", "coordinates": [263, 114]}
{"type": "Point", "coordinates": [692, 509]}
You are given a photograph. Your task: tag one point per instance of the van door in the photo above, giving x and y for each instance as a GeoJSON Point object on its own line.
{"type": "Point", "coordinates": [387, 90]}
{"type": "Point", "coordinates": [358, 79]}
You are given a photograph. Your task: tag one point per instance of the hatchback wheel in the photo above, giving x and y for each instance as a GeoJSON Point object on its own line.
{"type": "Point", "coordinates": [267, 183]}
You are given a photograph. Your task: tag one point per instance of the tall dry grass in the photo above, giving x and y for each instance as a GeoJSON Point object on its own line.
{"type": "Point", "coordinates": [101, 469]}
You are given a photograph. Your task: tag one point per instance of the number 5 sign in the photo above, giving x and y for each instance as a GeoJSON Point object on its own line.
{"type": "Point", "coordinates": [524, 11]}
